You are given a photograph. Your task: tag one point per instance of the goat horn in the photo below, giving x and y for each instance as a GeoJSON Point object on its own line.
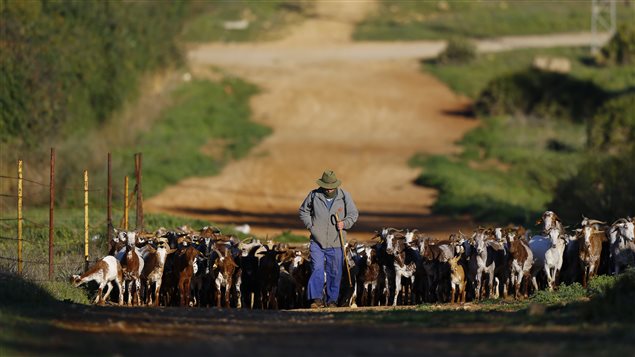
{"type": "Point", "coordinates": [246, 239]}
{"type": "Point", "coordinates": [595, 221]}
{"type": "Point", "coordinates": [619, 220]}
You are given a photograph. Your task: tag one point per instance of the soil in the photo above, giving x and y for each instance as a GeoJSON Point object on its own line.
{"type": "Point", "coordinates": [329, 108]}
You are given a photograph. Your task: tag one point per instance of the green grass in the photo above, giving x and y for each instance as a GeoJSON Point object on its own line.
{"type": "Point", "coordinates": [208, 125]}
{"type": "Point", "coordinates": [507, 171]}
{"type": "Point", "coordinates": [470, 79]}
{"type": "Point", "coordinates": [288, 237]}
{"type": "Point", "coordinates": [69, 241]}
{"type": "Point", "coordinates": [419, 20]}
{"type": "Point", "coordinates": [267, 19]}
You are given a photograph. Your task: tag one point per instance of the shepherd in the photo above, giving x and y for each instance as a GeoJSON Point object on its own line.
{"type": "Point", "coordinates": [327, 212]}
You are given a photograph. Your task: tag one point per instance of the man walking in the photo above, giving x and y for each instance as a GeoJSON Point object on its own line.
{"type": "Point", "coordinates": [327, 211]}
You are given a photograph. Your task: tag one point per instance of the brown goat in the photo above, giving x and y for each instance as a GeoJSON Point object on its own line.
{"type": "Point", "coordinates": [457, 280]}
{"type": "Point", "coordinates": [184, 269]}
{"type": "Point", "coordinates": [590, 251]}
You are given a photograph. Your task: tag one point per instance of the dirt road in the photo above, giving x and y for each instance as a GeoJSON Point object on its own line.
{"type": "Point", "coordinates": [469, 330]}
{"type": "Point", "coordinates": [363, 119]}
{"type": "Point", "coordinates": [361, 109]}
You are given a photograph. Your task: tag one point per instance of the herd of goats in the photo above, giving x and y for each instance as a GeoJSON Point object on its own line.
{"type": "Point", "coordinates": [207, 268]}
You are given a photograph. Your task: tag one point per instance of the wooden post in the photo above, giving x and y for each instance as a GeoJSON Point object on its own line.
{"type": "Point", "coordinates": [125, 203]}
{"type": "Point", "coordinates": [109, 200]}
{"type": "Point", "coordinates": [85, 220]}
{"type": "Point", "coordinates": [139, 223]}
{"type": "Point", "coordinates": [51, 208]}
{"type": "Point", "coordinates": [19, 216]}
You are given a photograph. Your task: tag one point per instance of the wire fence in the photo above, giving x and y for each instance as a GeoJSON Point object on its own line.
{"type": "Point", "coordinates": [59, 240]}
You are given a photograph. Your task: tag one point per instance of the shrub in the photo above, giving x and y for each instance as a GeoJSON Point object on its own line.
{"type": "Point", "coordinates": [458, 51]}
{"type": "Point", "coordinates": [620, 49]}
{"type": "Point", "coordinates": [612, 129]}
{"type": "Point", "coordinates": [565, 294]}
{"type": "Point", "coordinates": [602, 189]}
{"type": "Point", "coordinates": [68, 65]}
{"type": "Point", "coordinates": [533, 92]}
{"type": "Point", "coordinates": [616, 301]}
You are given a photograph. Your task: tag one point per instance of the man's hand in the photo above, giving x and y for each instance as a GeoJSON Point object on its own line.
{"type": "Point", "coordinates": [340, 225]}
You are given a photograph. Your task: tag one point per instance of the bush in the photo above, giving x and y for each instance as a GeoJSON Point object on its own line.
{"type": "Point", "coordinates": [602, 189]}
{"type": "Point", "coordinates": [541, 94]}
{"type": "Point", "coordinates": [564, 295]}
{"type": "Point", "coordinates": [458, 51]}
{"type": "Point", "coordinates": [616, 301]}
{"type": "Point", "coordinates": [612, 129]}
{"type": "Point", "coordinates": [620, 49]}
{"type": "Point", "coordinates": [68, 65]}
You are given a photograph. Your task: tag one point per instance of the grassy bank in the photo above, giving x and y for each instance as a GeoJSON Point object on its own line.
{"type": "Point", "coordinates": [421, 20]}
{"type": "Point", "coordinates": [263, 20]}
{"type": "Point", "coordinates": [469, 79]}
{"type": "Point", "coordinates": [208, 125]}
{"type": "Point", "coordinates": [511, 165]}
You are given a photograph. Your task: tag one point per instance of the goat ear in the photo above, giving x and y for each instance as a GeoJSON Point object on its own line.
{"type": "Point", "coordinates": [539, 221]}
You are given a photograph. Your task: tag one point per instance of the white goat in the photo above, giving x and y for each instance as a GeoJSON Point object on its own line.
{"type": "Point", "coordinates": [622, 238]}
{"type": "Point", "coordinates": [104, 272]}
{"type": "Point", "coordinates": [547, 253]}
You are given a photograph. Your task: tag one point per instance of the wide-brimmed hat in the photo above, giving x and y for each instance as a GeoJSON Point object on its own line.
{"type": "Point", "coordinates": [329, 180]}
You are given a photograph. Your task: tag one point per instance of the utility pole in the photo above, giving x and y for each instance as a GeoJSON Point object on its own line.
{"type": "Point", "coordinates": [603, 19]}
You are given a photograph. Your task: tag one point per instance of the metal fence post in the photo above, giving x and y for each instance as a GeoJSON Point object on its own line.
{"type": "Point", "coordinates": [109, 205]}
{"type": "Point", "coordinates": [19, 216]}
{"type": "Point", "coordinates": [51, 215]}
{"type": "Point", "coordinates": [85, 220]}
{"type": "Point", "coordinates": [138, 170]}
{"type": "Point", "coordinates": [125, 203]}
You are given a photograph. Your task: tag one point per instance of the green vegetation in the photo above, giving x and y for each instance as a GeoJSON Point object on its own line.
{"type": "Point", "coordinates": [265, 20]}
{"type": "Point", "coordinates": [288, 237]}
{"type": "Point", "coordinates": [69, 240]}
{"type": "Point", "coordinates": [621, 48]}
{"type": "Point", "coordinates": [66, 66]}
{"type": "Point", "coordinates": [614, 300]}
{"type": "Point", "coordinates": [541, 94]}
{"type": "Point", "coordinates": [602, 188]}
{"type": "Point", "coordinates": [507, 170]}
{"type": "Point", "coordinates": [207, 126]}
{"type": "Point", "coordinates": [612, 129]}
{"type": "Point", "coordinates": [470, 79]}
{"type": "Point", "coordinates": [458, 51]}
{"type": "Point", "coordinates": [419, 20]}
{"type": "Point", "coordinates": [513, 165]}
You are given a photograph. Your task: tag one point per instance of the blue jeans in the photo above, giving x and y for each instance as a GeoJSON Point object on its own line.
{"type": "Point", "coordinates": [321, 258]}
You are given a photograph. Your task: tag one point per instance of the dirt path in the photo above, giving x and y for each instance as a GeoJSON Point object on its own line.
{"type": "Point", "coordinates": [378, 331]}
{"type": "Point", "coordinates": [362, 119]}
{"type": "Point", "coordinates": [361, 109]}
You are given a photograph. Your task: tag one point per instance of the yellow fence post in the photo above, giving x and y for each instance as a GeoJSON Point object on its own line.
{"type": "Point", "coordinates": [19, 216]}
{"type": "Point", "coordinates": [85, 220]}
{"type": "Point", "coordinates": [125, 203]}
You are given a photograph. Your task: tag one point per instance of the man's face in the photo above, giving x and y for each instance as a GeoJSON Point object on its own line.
{"type": "Point", "coordinates": [330, 192]}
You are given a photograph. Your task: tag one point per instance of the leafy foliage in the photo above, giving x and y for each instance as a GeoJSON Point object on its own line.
{"type": "Point", "coordinates": [542, 94]}
{"type": "Point", "coordinates": [67, 65]}
{"type": "Point", "coordinates": [620, 49]}
{"type": "Point", "coordinates": [615, 301]}
{"type": "Point", "coordinates": [458, 50]}
{"type": "Point", "coordinates": [612, 129]}
{"type": "Point", "coordinates": [603, 189]}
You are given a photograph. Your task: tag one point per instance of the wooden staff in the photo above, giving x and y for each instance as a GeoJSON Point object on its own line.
{"type": "Point", "coordinates": [348, 270]}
